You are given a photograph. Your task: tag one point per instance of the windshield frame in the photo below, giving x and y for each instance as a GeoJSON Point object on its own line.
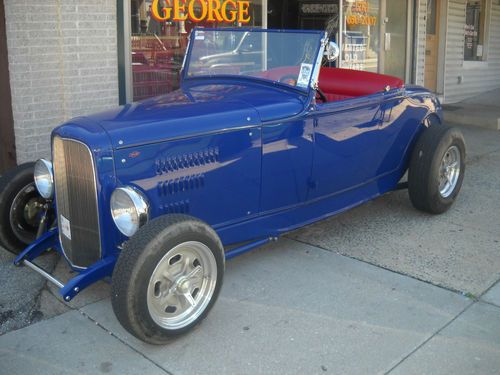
{"type": "Point", "coordinates": [313, 79]}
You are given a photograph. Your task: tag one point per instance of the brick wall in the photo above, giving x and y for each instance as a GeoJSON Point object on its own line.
{"type": "Point", "coordinates": [63, 64]}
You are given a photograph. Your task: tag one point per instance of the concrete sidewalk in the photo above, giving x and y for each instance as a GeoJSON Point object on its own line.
{"type": "Point", "coordinates": [482, 110]}
{"type": "Point", "coordinates": [379, 289]}
{"type": "Point", "coordinates": [286, 308]}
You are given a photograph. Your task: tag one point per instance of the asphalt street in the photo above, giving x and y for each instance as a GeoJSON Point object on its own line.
{"type": "Point", "coordinates": [382, 288]}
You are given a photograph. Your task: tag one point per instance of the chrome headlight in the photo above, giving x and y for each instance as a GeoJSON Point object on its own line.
{"type": "Point", "coordinates": [129, 209]}
{"type": "Point", "coordinates": [44, 178]}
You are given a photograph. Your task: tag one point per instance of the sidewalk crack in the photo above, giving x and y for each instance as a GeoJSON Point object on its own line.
{"type": "Point", "coordinates": [428, 339]}
{"type": "Point", "coordinates": [124, 342]}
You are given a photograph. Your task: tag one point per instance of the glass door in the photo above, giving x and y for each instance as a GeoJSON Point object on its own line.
{"type": "Point", "coordinates": [376, 35]}
{"type": "Point", "coordinates": [360, 35]}
{"type": "Point", "coordinates": [395, 38]}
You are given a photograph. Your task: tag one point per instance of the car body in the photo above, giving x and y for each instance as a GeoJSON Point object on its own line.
{"type": "Point", "coordinates": [251, 157]}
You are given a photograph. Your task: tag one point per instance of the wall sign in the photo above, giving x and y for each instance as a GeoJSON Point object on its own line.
{"type": "Point", "coordinates": [228, 11]}
{"type": "Point", "coordinates": [359, 15]}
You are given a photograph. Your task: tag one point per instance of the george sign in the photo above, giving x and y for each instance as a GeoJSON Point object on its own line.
{"type": "Point", "coordinates": [319, 8]}
{"type": "Point", "coordinates": [228, 11]}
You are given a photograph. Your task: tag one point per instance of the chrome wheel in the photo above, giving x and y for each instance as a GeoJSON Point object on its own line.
{"type": "Point", "coordinates": [449, 171]}
{"type": "Point", "coordinates": [182, 285]}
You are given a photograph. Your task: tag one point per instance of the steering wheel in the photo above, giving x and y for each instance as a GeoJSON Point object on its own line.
{"type": "Point", "coordinates": [321, 95]}
{"type": "Point", "coordinates": [289, 79]}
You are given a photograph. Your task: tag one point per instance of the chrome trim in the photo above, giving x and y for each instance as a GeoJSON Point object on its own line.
{"type": "Point", "coordinates": [449, 171]}
{"type": "Point", "coordinates": [317, 64]}
{"type": "Point", "coordinates": [139, 201]}
{"type": "Point", "coordinates": [47, 164]}
{"type": "Point", "coordinates": [95, 196]}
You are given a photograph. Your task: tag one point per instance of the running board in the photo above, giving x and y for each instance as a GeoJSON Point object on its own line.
{"type": "Point", "coordinates": [249, 246]}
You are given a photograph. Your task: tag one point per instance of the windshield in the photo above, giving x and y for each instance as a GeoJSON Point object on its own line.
{"type": "Point", "coordinates": [287, 57]}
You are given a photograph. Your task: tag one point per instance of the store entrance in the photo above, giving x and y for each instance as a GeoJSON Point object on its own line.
{"type": "Point", "coordinates": [395, 28]}
{"type": "Point", "coordinates": [376, 36]}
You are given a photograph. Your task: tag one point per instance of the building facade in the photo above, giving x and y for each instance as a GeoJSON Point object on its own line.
{"type": "Point", "coordinates": [66, 58]}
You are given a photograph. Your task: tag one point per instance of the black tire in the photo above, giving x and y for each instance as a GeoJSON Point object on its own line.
{"type": "Point", "coordinates": [12, 183]}
{"type": "Point", "coordinates": [139, 260]}
{"type": "Point", "coordinates": [425, 168]}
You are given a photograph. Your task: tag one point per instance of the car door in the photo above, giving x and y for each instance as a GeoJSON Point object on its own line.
{"type": "Point", "coordinates": [346, 144]}
{"type": "Point", "coordinates": [287, 150]}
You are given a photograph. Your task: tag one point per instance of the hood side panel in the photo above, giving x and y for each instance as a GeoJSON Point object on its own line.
{"type": "Point", "coordinates": [213, 177]}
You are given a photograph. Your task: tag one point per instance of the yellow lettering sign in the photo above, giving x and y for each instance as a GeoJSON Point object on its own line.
{"type": "Point", "coordinates": [359, 19]}
{"type": "Point", "coordinates": [202, 10]}
{"type": "Point", "coordinates": [232, 13]}
{"type": "Point", "coordinates": [243, 9]}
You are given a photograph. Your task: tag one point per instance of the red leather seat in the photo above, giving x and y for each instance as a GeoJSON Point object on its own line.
{"type": "Point", "coordinates": [340, 84]}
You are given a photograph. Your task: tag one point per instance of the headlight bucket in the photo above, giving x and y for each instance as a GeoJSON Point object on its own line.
{"type": "Point", "coordinates": [129, 209]}
{"type": "Point", "coordinates": [44, 178]}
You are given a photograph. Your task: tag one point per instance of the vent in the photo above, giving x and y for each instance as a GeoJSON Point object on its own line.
{"type": "Point", "coordinates": [179, 162]}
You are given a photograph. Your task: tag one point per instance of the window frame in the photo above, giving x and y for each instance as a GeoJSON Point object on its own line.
{"type": "Point", "coordinates": [483, 61]}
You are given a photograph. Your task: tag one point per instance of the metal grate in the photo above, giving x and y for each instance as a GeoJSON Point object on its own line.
{"type": "Point", "coordinates": [76, 199]}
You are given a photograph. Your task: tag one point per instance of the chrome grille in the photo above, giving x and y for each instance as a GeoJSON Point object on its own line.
{"type": "Point", "coordinates": [76, 199]}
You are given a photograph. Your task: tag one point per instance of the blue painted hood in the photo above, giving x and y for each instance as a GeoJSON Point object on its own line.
{"type": "Point", "coordinates": [197, 109]}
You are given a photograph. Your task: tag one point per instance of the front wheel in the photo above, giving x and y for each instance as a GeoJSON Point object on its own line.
{"type": "Point", "coordinates": [437, 169]}
{"type": "Point", "coordinates": [24, 214]}
{"type": "Point", "coordinates": [167, 278]}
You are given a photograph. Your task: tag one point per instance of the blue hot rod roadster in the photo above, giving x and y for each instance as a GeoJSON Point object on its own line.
{"type": "Point", "coordinates": [261, 139]}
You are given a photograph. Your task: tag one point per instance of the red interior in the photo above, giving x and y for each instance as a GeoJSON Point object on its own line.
{"type": "Point", "coordinates": [340, 84]}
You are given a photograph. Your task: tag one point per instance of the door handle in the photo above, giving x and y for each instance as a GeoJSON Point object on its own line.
{"type": "Point", "coordinates": [387, 41]}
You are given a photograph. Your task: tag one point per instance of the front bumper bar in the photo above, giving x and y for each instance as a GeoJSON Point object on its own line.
{"type": "Point", "coordinates": [86, 277]}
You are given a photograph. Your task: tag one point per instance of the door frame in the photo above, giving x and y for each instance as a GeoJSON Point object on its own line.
{"type": "Point", "coordinates": [7, 138]}
{"type": "Point", "coordinates": [442, 23]}
{"type": "Point", "coordinates": [442, 45]}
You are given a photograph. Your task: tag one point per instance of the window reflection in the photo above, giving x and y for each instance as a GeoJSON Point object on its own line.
{"type": "Point", "coordinates": [158, 46]}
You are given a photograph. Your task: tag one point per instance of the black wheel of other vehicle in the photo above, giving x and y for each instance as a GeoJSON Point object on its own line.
{"type": "Point", "coordinates": [437, 169]}
{"type": "Point", "coordinates": [21, 208]}
{"type": "Point", "coordinates": [167, 278]}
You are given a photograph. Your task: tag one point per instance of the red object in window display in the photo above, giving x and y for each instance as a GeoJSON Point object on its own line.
{"type": "Point", "coordinates": [152, 81]}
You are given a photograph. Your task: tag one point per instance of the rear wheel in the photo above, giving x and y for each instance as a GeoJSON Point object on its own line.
{"type": "Point", "coordinates": [21, 209]}
{"type": "Point", "coordinates": [167, 278]}
{"type": "Point", "coordinates": [437, 169]}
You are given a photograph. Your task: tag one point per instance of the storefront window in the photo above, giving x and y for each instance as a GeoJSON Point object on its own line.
{"type": "Point", "coordinates": [474, 30]}
{"type": "Point", "coordinates": [159, 36]}
{"type": "Point", "coordinates": [319, 15]}
{"type": "Point", "coordinates": [360, 39]}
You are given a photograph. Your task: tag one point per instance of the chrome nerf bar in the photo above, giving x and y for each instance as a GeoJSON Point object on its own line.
{"type": "Point", "coordinates": [44, 273]}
